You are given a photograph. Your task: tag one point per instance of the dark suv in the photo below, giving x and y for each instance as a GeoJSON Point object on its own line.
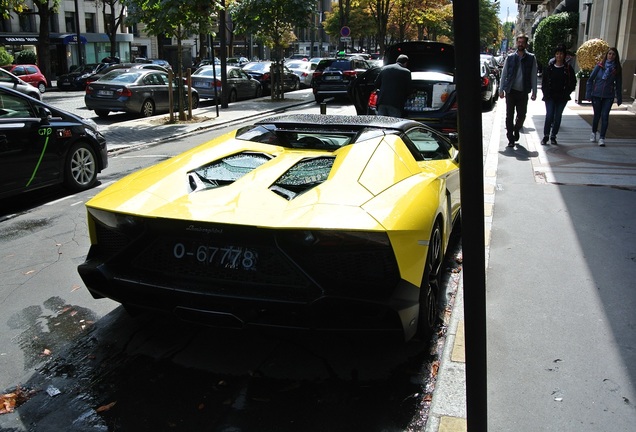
{"type": "Point", "coordinates": [333, 76]}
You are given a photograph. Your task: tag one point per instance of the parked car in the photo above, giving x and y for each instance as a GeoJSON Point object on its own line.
{"type": "Point", "coordinates": [236, 61]}
{"type": "Point", "coordinates": [124, 67]}
{"type": "Point", "coordinates": [8, 80]}
{"type": "Point", "coordinates": [76, 80]}
{"type": "Point", "coordinates": [492, 63]}
{"type": "Point", "coordinates": [433, 100]}
{"type": "Point", "coordinates": [159, 62]}
{"type": "Point", "coordinates": [43, 146]}
{"type": "Point", "coordinates": [139, 91]}
{"type": "Point", "coordinates": [207, 81]}
{"type": "Point", "coordinates": [489, 86]}
{"type": "Point", "coordinates": [261, 72]}
{"type": "Point", "coordinates": [333, 76]}
{"type": "Point", "coordinates": [304, 70]}
{"type": "Point", "coordinates": [30, 74]}
{"type": "Point", "coordinates": [302, 221]}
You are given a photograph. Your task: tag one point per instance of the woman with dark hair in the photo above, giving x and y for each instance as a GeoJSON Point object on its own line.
{"type": "Point", "coordinates": [604, 84]}
{"type": "Point", "coordinates": [557, 84]}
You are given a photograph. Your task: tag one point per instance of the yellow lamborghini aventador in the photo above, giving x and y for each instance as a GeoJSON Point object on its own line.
{"type": "Point", "coordinates": [317, 222]}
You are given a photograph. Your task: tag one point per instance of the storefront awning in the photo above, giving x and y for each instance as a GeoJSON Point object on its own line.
{"type": "Point", "coordinates": [69, 39]}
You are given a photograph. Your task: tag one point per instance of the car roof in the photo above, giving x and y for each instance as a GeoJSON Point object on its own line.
{"type": "Point", "coordinates": [304, 121]}
{"type": "Point", "coordinates": [423, 55]}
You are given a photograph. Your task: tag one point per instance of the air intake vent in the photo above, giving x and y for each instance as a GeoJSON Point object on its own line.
{"type": "Point", "coordinates": [303, 176]}
{"type": "Point", "coordinates": [225, 171]}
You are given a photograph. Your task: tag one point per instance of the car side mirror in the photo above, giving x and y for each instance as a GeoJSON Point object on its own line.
{"type": "Point", "coordinates": [454, 140]}
{"type": "Point", "coordinates": [44, 114]}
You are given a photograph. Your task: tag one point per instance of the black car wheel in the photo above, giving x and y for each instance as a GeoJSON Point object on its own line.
{"type": "Point", "coordinates": [430, 287]}
{"type": "Point", "coordinates": [195, 101]}
{"type": "Point", "coordinates": [102, 113]}
{"type": "Point", "coordinates": [233, 97]}
{"type": "Point", "coordinates": [80, 170]}
{"type": "Point", "coordinates": [259, 91]}
{"type": "Point", "coordinates": [147, 108]}
{"type": "Point", "coordinates": [42, 87]}
{"type": "Point", "coordinates": [296, 85]}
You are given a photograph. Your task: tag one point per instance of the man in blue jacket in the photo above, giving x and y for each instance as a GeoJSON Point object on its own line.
{"type": "Point", "coordinates": [518, 78]}
{"type": "Point", "coordinates": [394, 83]}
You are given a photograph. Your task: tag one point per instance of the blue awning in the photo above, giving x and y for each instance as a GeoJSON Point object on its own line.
{"type": "Point", "coordinates": [72, 39]}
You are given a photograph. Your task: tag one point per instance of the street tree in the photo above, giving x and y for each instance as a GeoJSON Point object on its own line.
{"type": "Point", "coordinates": [380, 11]}
{"type": "Point", "coordinates": [272, 21]}
{"type": "Point", "coordinates": [113, 20]}
{"type": "Point", "coordinates": [360, 22]}
{"type": "Point", "coordinates": [434, 20]}
{"type": "Point", "coordinates": [489, 25]}
{"type": "Point", "coordinates": [8, 6]}
{"type": "Point", "coordinates": [173, 18]}
{"type": "Point", "coordinates": [45, 10]}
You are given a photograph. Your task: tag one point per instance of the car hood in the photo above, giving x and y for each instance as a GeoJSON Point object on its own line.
{"type": "Point", "coordinates": [332, 189]}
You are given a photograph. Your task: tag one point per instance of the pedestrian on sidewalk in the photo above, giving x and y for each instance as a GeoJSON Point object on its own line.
{"type": "Point", "coordinates": [557, 84]}
{"type": "Point", "coordinates": [519, 77]}
{"type": "Point", "coordinates": [394, 83]}
{"type": "Point", "coordinates": [604, 84]}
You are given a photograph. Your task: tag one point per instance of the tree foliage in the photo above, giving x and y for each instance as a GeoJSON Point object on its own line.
{"type": "Point", "coordinates": [8, 6]}
{"type": "Point", "coordinates": [556, 29]}
{"type": "Point", "coordinates": [489, 25]}
{"type": "Point", "coordinates": [113, 20]}
{"type": "Point", "coordinates": [5, 57]}
{"type": "Point", "coordinates": [272, 21]}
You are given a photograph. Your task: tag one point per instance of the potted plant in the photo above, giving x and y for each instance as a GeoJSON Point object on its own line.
{"type": "Point", "coordinates": [587, 56]}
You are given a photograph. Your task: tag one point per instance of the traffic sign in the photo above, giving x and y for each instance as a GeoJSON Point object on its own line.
{"type": "Point", "coordinates": [345, 31]}
{"type": "Point", "coordinates": [345, 39]}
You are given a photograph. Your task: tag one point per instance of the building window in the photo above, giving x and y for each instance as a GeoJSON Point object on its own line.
{"type": "Point", "coordinates": [89, 18]}
{"type": "Point", "coordinates": [69, 19]}
{"type": "Point", "coordinates": [26, 22]}
{"type": "Point", "coordinates": [5, 25]}
{"type": "Point", "coordinates": [54, 24]}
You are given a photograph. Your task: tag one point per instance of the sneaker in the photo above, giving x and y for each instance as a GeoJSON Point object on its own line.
{"type": "Point", "coordinates": [544, 141]}
{"type": "Point", "coordinates": [553, 141]}
{"type": "Point", "coordinates": [593, 137]}
{"type": "Point", "coordinates": [601, 142]}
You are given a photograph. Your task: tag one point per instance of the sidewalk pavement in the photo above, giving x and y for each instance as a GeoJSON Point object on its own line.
{"type": "Point", "coordinates": [560, 236]}
{"type": "Point", "coordinates": [550, 246]}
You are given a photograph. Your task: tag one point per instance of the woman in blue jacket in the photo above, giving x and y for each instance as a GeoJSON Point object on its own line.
{"type": "Point", "coordinates": [604, 84]}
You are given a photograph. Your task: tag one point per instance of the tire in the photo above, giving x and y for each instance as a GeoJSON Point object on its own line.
{"type": "Point", "coordinates": [431, 284]}
{"type": "Point", "coordinates": [80, 168]}
{"type": "Point", "coordinates": [233, 98]}
{"type": "Point", "coordinates": [102, 113]}
{"type": "Point", "coordinates": [148, 108]}
{"type": "Point", "coordinates": [195, 101]}
{"type": "Point", "coordinates": [296, 85]}
{"type": "Point", "coordinates": [259, 92]}
{"type": "Point", "coordinates": [42, 87]}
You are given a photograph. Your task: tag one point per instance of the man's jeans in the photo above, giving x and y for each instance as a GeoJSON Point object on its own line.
{"type": "Point", "coordinates": [388, 110]}
{"type": "Point", "coordinates": [515, 100]}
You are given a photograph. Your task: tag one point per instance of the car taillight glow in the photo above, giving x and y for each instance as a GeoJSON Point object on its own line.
{"type": "Point", "coordinates": [124, 92]}
{"type": "Point", "coordinates": [484, 81]}
{"type": "Point", "coordinates": [317, 74]}
{"type": "Point", "coordinates": [373, 99]}
{"type": "Point", "coordinates": [350, 73]}
{"type": "Point", "coordinates": [265, 76]}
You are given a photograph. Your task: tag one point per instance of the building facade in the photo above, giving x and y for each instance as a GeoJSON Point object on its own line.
{"type": "Point", "coordinates": [75, 20]}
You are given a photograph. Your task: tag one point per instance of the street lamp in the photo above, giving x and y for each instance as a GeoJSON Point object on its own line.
{"type": "Point", "coordinates": [588, 5]}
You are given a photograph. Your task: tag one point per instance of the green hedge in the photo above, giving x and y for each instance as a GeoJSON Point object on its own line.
{"type": "Point", "coordinates": [26, 57]}
{"type": "Point", "coordinates": [556, 29]}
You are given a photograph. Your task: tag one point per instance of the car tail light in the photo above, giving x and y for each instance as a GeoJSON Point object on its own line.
{"type": "Point", "coordinates": [350, 73]}
{"type": "Point", "coordinates": [124, 92]}
{"type": "Point", "coordinates": [317, 74]}
{"type": "Point", "coordinates": [373, 99]}
{"type": "Point", "coordinates": [89, 89]}
{"type": "Point", "coordinates": [484, 81]}
{"type": "Point", "coordinates": [304, 74]}
{"type": "Point", "coordinates": [265, 76]}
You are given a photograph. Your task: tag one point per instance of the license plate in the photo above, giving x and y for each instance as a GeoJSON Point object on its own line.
{"type": "Point", "coordinates": [229, 257]}
{"type": "Point", "coordinates": [201, 84]}
{"type": "Point", "coordinates": [105, 92]}
{"type": "Point", "coordinates": [332, 77]}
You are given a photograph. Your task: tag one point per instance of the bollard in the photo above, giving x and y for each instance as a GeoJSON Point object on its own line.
{"type": "Point", "coordinates": [323, 108]}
